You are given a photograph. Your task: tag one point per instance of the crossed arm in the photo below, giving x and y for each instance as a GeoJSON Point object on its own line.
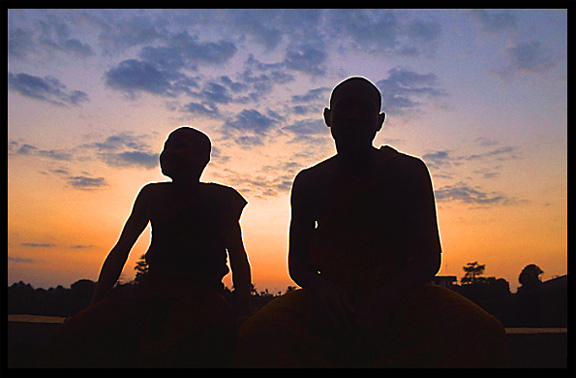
{"type": "Point", "coordinates": [332, 303]}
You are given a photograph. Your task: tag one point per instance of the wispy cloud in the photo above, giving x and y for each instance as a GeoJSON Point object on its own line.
{"type": "Point", "coordinates": [307, 127]}
{"type": "Point", "coordinates": [81, 246]}
{"type": "Point", "coordinates": [403, 90]}
{"type": "Point", "coordinates": [85, 182]}
{"type": "Point", "coordinates": [250, 127]}
{"type": "Point", "coordinates": [51, 35]}
{"type": "Point", "coordinates": [200, 109]}
{"type": "Point", "coordinates": [383, 30]}
{"type": "Point", "coordinates": [18, 148]}
{"type": "Point", "coordinates": [472, 195]}
{"type": "Point", "coordinates": [133, 77]}
{"type": "Point", "coordinates": [55, 35]}
{"type": "Point", "coordinates": [493, 21]}
{"type": "Point", "coordinates": [122, 150]}
{"type": "Point", "coordinates": [270, 181]}
{"type": "Point", "coordinates": [131, 159]}
{"type": "Point", "coordinates": [47, 89]}
{"type": "Point", "coordinates": [531, 57]}
{"type": "Point", "coordinates": [160, 69]}
{"type": "Point", "coordinates": [307, 58]}
{"type": "Point", "coordinates": [20, 43]}
{"type": "Point", "coordinates": [38, 245]}
{"type": "Point", "coordinates": [20, 260]}
{"type": "Point", "coordinates": [121, 30]}
{"type": "Point", "coordinates": [125, 150]}
{"type": "Point", "coordinates": [446, 158]}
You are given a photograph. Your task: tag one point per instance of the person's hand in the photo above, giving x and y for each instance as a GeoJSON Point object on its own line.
{"type": "Point", "coordinates": [333, 307]}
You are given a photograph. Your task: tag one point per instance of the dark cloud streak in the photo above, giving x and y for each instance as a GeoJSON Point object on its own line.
{"type": "Point", "coordinates": [47, 89]}
{"type": "Point", "coordinates": [471, 195]}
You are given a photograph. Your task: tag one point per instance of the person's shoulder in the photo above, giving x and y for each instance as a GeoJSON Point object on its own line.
{"type": "Point", "coordinates": [317, 171]}
{"type": "Point", "coordinates": [154, 187]}
{"type": "Point", "coordinates": [403, 160]}
{"type": "Point", "coordinates": [221, 190]}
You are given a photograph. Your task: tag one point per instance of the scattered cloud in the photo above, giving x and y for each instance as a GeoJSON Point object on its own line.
{"type": "Point", "coordinates": [262, 77]}
{"type": "Point", "coordinates": [160, 69]}
{"type": "Point", "coordinates": [47, 89]}
{"type": "Point", "coordinates": [117, 142]}
{"type": "Point", "coordinates": [20, 43]}
{"type": "Point", "coordinates": [440, 158]}
{"type": "Point", "coordinates": [120, 31]}
{"type": "Point", "coordinates": [472, 195]}
{"type": "Point", "coordinates": [383, 30]}
{"type": "Point", "coordinates": [195, 108]}
{"type": "Point", "coordinates": [504, 153]}
{"type": "Point", "coordinates": [27, 149]}
{"type": "Point", "coordinates": [307, 59]}
{"type": "Point", "coordinates": [256, 23]}
{"type": "Point", "coordinates": [307, 127]}
{"type": "Point", "coordinates": [135, 76]}
{"type": "Point", "coordinates": [213, 92]}
{"type": "Point", "coordinates": [316, 94]}
{"type": "Point", "coordinates": [20, 260]}
{"type": "Point", "coordinates": [136, 159]}
{"type": "Point", "coordinates": [50, 35]}
{"type": "Point", "coordinates": [38, 245]}
{"type": "Point", "coordinates": [252, 120]}
{"type": "Point", "coordinates": [86, 182]}
{"type": "Point", "coordinates": [185, 51]}
{"type": "Point", "coordinates": [492, 21]}
{"type": "Point", "coordinates": [483, 141]}
{"type": "Point", "coordinates": [527, 57]}
{"type": "Point", "coordinates": [122, 150]}
{"type": "Point", "coordinates": [445, 158]}
{"type": "Point", "coordinates": [55, 35]}
{"type": "Point", "coordinates": [403, 90]}
{"type": "Point", "coordinates": [125, 150]}
{"type": "Point", "coordinates": [250, 127]}
{"type": "Point", "coordinates": [266, 183]}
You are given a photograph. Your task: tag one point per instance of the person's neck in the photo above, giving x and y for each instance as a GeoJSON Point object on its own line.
{"type": "Point", "coordinates": [357, 160]}
{"type": "Point", "coordinates": [185, 185]}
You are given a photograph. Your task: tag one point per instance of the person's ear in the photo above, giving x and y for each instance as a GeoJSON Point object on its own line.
{"type": "Point", "coordinates": [381, 118]}
{"type": "Point", "coordinates": [327, 116]}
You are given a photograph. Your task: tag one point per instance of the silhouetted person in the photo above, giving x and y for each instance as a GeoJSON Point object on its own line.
{"type": "Point", "coordinates": [177, 316]}
{"type": "Point", "coordinates": [364, 245]}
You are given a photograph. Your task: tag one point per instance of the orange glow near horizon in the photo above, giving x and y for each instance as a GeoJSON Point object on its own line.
{"type": "Point", "coordinates": [485, 108]}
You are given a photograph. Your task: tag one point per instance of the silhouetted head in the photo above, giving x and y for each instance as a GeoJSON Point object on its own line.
{"type": "Point", "coordinates": [186, 153]}
{"type": "Point", "coordinates": [354, 115]}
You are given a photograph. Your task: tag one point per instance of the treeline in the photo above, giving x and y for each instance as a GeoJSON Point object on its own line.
{"type": "Point", "coordinates": [535, 304]}
{"type": "Point", "coordinates": [22, 298]}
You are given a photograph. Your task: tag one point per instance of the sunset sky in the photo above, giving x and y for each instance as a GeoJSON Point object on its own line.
{"type": "Point", "coordinates": [479, 95]}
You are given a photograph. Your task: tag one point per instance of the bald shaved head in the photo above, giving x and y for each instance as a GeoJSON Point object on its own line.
{"type": "Point", "coordinates": [358, 87]}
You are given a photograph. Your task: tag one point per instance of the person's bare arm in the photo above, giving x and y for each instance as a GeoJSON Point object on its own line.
{"type": "Point", "coordinates": [333, 305]}
{"type": "Point", "coordinates": [114, 263]}
{"type": "Point", "coordinates": [241, 274]}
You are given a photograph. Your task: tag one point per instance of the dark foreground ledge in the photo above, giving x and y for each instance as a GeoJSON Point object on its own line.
{"type": "Point", "coordinates": [529, 347]}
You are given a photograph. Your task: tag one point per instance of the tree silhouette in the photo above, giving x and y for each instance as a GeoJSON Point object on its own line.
{"type": "Point", "coordinates": [141, 269]}
{"type": "Point", "coordinates": [530, 277]}
{"type": "Point", "coordinates": [473, 270]}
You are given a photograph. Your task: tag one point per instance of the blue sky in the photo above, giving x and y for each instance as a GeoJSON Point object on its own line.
{"type": "Point", "coordinates": [479, 95]}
